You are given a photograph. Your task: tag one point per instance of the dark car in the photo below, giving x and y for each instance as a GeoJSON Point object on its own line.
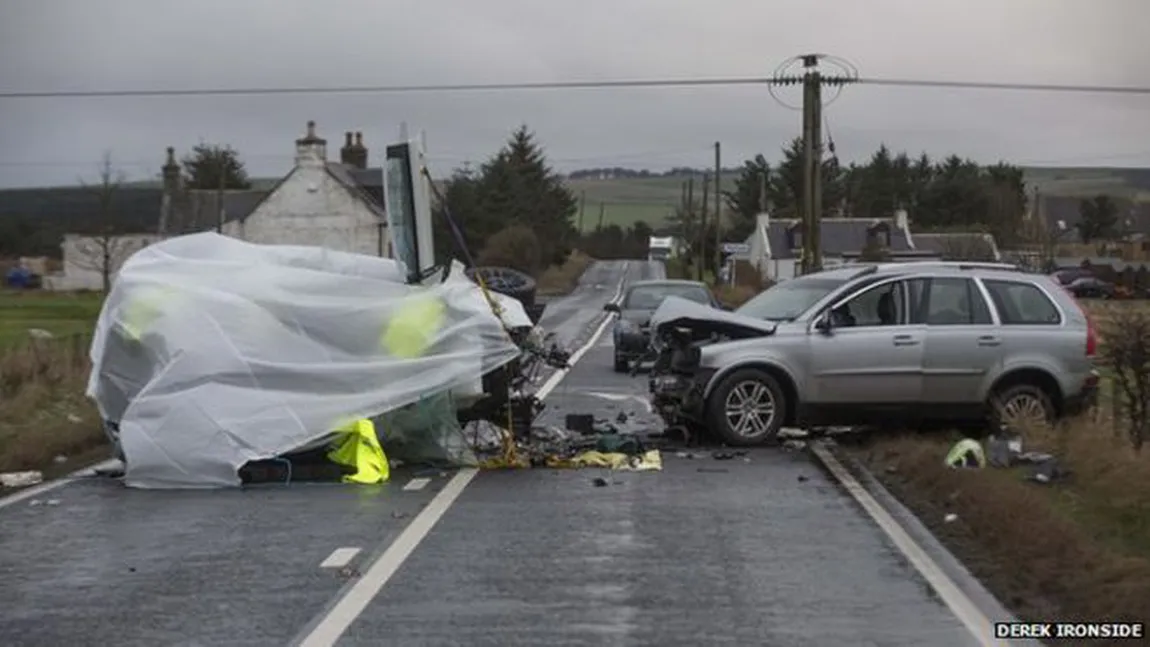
{"type": "Point", "coordinates": [1089, 287]}
{"type": "Point", "coordinates": [642, 298]}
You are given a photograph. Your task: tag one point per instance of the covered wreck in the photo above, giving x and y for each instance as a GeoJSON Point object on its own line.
{"type": "Point", "coordinates": [211, 353]}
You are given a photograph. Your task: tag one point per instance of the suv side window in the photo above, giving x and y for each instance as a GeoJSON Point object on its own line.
{"type": "Point", "coordinates": [1022, 304]}
{"type": "Point", "coordinates": [948, 301]}
{"type": "Point", "coordinates": [882, 305]}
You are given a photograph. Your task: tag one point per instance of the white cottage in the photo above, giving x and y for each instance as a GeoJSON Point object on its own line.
{"type": "Point", "coordinates": [337, 205]}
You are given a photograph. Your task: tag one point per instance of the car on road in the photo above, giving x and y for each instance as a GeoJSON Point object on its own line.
{"type": "Point", "coordinates": [631, 334]}
{"type": "Point", "coordinates": [878, 345]}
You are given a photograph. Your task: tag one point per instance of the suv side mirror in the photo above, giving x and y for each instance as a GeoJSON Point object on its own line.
{"type": "Point", "coordinates": [611, 307]}
{"type": "Point", "coordinates": [824, 323]}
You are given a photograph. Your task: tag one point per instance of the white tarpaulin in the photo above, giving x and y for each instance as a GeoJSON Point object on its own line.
{"type": "Point", "coordinates": [211, 352]}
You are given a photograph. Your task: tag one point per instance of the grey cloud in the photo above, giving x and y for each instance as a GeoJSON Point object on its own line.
{"type": "Point", "coordinates": [77, 44]}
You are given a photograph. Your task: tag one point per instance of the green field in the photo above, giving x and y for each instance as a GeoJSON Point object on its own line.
{"type": "Point", "coordinates": [62, 314]}
{"type": "Point", "coordinates": [651, 200]}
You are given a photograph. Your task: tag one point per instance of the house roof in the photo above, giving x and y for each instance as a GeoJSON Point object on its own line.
{"type": "Point", "coordinates": [78, 208]}
{"type": "Point", "coordinates": [840, 236]}
{"type": "Point", "coordinates": [366, 184]}
{"type": "Point", "coordinates": [965, 246]}
{"type": "Point", "coordinates": [195, 210]}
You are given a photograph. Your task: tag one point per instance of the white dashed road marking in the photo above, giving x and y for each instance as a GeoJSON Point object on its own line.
{"type": "Point", "coordinates": [340, 557]}
{"type": "Point", "coordinates": [416, 484]}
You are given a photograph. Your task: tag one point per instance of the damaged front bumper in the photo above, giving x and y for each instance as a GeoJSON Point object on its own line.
{"type": "Point", "coordinates": [678, 399]}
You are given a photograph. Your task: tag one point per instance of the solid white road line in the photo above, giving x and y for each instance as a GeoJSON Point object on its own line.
{"type": "Point", "coordinates": [416, 484]}
{"type": "Point", "coordinates": [340, 557]}
{"type": "Point", "coordinates": [44, 488]}
{"type": "Point", "coordinates": [963, 608]}
{"type": "Point", "coordinates": [355, 599]}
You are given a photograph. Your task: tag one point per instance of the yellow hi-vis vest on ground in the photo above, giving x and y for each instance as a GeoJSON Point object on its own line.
{"type": "Point", "coordinates": [966, 453]}
{"type": "Point", "coordinates": [358, 446]}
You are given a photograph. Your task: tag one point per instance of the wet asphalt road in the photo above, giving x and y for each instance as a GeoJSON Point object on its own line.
{"type": "Point", "coordinates": [759, 552]}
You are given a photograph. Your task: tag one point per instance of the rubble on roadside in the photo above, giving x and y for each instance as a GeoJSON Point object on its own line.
{"type": "Point", "coordinates": [1004, 450]}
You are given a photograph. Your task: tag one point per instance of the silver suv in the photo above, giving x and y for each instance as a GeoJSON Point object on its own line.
{"type": "Point", "coordinates": [898, 344]}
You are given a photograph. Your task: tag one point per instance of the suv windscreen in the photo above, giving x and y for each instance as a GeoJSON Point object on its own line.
{"type": "Point", "coordinates": [790, 299]}
{"type": "Point", "coordinates": [648, 297]}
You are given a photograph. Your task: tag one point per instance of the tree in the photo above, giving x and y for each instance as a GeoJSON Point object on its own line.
{"type": "Point", "coordinates": [747, 198]}
{"type": "Point", "coordinates": [205, 164]}
{"type": "Point", "coordinates": [103, 248]}
{"type": "Point", "coordinates": [1098, 218]}
{"type": "Point", "coordinates": [514, 187]}
{"type": "Point", "coordinates": [516, 247]}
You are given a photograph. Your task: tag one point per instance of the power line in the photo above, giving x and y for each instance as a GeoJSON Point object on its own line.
{"type": "Point", "coordinates": [567, 85]}
{"type": "Point", "coordinates": [1025, 87]}
{"type": "Point", "coordinates": [439, 158]}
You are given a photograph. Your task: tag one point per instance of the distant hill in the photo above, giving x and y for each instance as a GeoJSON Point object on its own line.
{"type": "Point", "coordinates": [626, 200]}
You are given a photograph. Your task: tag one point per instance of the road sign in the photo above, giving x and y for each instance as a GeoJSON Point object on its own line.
{"type": "Point", "coordinates": [736, 248]}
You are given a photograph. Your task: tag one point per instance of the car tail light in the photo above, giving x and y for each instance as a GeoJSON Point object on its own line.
{"type": "Point", "coordinates": [1091, 331]}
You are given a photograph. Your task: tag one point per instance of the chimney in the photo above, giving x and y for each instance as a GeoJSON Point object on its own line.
{"type": "Point", "coordinates": [310, 150]}
{"type": "Point", "coordinates": [901, 219]}
{"type": "Point", "coordinates": [170, 172]}
{"type": "Point", "coordinates": [360, 152]}
{"type": "Point", "coordinates": [347, 153]}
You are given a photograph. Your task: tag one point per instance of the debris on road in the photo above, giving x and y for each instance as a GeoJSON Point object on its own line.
{"type": "Point", "coordinates": [966, 453]}
{"type": "Point", "coordinates": [21, 479]}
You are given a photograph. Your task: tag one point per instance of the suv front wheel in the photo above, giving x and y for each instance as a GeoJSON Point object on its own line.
{"type": "Point", "coordinates": [747, 408]}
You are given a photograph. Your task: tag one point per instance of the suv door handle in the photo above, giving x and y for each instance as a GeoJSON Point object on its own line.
{"type": "Point", "coordinates": [989, 340]}
{"type": "Point", "coordinates": [905, 340]}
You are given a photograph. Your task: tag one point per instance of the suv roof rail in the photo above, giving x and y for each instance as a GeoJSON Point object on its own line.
{"type": "Point", "coordinates": [962, 265]}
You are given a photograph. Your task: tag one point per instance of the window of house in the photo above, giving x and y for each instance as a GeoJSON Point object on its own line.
{"type": "Point", "coordinates": [1022, 304]}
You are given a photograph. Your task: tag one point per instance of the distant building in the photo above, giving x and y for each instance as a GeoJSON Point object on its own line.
{"type": "Point", "coordinates": [337, 205]}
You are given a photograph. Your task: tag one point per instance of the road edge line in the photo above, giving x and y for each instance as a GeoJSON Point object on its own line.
{"type": "Point", "coordinates": [54, 484]}
{"type": "Point", "coordinates": [959, 603]}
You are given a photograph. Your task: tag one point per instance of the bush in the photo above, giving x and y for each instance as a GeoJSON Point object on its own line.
{"type": "Point", "coordinates": [45, 413]}
{"type": "Point", "coordinates": [516, 247]}
{"type": "Point", "coordinates": [1127, 352]}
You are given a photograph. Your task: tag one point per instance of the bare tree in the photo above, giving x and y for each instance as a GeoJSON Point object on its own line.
{"type": "Point", "coordinates": [966, 247]}
{"type": "Point", "coordinates": [102, 249]}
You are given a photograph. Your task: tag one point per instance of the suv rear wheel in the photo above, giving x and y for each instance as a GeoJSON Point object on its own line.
{"type": "Point", "coordinates": [1021, 406]}
{"type": "Point", "coordinates": [747, 408]}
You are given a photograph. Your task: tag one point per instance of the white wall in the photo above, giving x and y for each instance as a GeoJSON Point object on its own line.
{"type": "Point", "coordinates": [83, 266]}
{"type": "Point", "coordinates": [312, 208]}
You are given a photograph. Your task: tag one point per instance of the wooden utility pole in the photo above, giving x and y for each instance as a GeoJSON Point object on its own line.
{"type": "Point", "coordinates": [811, 205]}
{"type": "Point", "coordinates": [764, 179]}
{"type": "Point", "coordinates": [582, 206]}
{"type": "Point", "coordinates": [701, 236]}
{"type": "Point", "coordinates": [602, 211]}
{"type": "Point", "coordinates": [690, 219]}
{"type": "Point", "coordinates": [812, 166]}
{"type": "Point", "coordinates": [718, 211]}
{"type": "Point", "coordinates": [220, 215]}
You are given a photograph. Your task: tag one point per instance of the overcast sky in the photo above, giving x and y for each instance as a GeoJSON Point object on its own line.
{"type": "Point", "coordinates": [50, 45]}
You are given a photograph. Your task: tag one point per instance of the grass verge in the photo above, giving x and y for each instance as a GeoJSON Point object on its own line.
{"type": "Point", "coordinates": [45, 414]}
{"type": "Point", "coordinates": [1073, 550]}
{"type": "Point", "coordinates": [562, 279]}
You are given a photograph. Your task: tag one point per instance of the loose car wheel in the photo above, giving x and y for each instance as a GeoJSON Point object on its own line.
{"type": "Point", "coordinates": [1020, 407]}
{"type": "Point", "coordinates": [747, 408]}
